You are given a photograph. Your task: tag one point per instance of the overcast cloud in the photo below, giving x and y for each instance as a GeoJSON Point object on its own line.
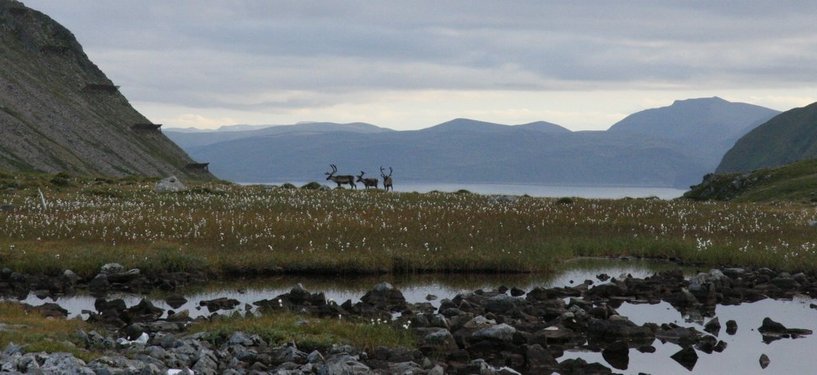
{"type": "Point", "coordinates": [411, 64]}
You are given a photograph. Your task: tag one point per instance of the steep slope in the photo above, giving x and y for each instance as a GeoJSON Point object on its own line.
{"type": "Point", "coordinates": [708, 125]}
{"type": "Point", "coordinates": [788, 137]}
{"type": "Point", "coordinates": [60, 113]}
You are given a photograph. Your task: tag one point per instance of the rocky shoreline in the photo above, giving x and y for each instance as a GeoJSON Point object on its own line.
{"type": "Point", "coordinates": [501, 331]}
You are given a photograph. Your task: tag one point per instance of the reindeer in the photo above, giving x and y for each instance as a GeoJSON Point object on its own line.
{"type": "Point", "coordinates": [367, 182]}
{"type": "Point", "coordinates": [340, 180]}
{"type": "Point", "coordinates": [386, 179]}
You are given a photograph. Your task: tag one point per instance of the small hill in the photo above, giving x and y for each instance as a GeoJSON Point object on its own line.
{"type": "Point", "coordinates": [786, 138]}
{"type": "Point", "coordinates": [60, 113]}
{"type": "Point", "coordinates": [793, 182]}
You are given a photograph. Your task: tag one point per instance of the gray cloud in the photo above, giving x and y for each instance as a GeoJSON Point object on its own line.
{"type": "Point", "coordinates": [317, 53]}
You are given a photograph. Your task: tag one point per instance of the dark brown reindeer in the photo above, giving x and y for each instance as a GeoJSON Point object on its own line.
{"type": "Point", "coordinates": [386, 179]}
{"type": "Point", "coordinates": [367, 182]}
{"type": "Point", "coordinates": [340, 180]}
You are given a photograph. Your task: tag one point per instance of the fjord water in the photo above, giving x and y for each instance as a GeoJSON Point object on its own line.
{"type": "Point", "coordinates": [792, 356]}
{"type": "Point", "coordinates": [550, 191]}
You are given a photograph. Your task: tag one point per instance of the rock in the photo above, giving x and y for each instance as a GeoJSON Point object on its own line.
{"type": "Point", "coordinates": [539, 360]}
{"type": "Point", "coordinates": [772, 330]}
{"type": "Point", "coordinates": [343, 364]}
{"type": "Point", "coordinates": [64, 363]}
{"type": "Point", "coordinates": [170, 185]}
{"type": "Point", "coordinates": [437, 340]}
{"type": "Point", "coordinates": [99, 283]}
{"type": "Point", "coordinates": [175, 301]}
{"type": "Point", "coordinates": [124, 277]}
{"type": "Point", "coordinates": [731, 327]}
{"type": "Point", "coordinates": [144, 311]}
{"type": "Point", "coordinates": [764, 361]}
{"type": "Point", "coordinates": [70, 277]}
{"type": "Point", "coordinates": [222, 303]}
{"type": "Point", "coordinates": [385, 296]}
{"type": "Point", "coordinates": [617, 355]}
{"type": "Point", "coordinates": [713, 326]}
{"type": "Point", "coordinates": [580, 366]}
{"type": "Point", "coordinates": [686, 357]}
{"type": "Point", "coordinates": [111, 268]}
{"type": "Point", "coordinates": [500, 332]}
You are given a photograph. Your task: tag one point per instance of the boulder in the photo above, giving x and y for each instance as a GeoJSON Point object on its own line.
{"type": "Point", "coordinates": [170, 185]}
{"type": "Point", "coordinates": [686, 357]}
{"type": "Point", "coordinates": [385, 296]}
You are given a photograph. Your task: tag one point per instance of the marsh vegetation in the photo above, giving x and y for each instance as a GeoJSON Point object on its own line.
{"type": "Point", "coordinates": [226, 229]}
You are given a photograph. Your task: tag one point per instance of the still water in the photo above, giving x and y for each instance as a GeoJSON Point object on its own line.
{"type": "Point", "coordinates": [599, 192]}
{"type": "Point", "coordinates": [788, 356]}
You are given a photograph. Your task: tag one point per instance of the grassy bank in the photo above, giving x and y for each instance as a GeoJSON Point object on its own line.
{"type": "Point", "coordinates": [228, 229]}
{"type": "Point", "coordinates": [309, 333]}
{"type": "Point", "coordinates": [38, 333]}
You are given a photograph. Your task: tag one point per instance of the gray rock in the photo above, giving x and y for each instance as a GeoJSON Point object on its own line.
{"type": "Point", "coordinates": [315, 357]}
{"type": "Point", "coordinates": [764, 361]}
{"type": "Point", "coordinates": [239, 338]}
{"type": "Point", "coordinates": [111, 268]}
{"type": "Point", "coordinates": [64, 363]}
{"type": "Point", "coordinates": [70, 276]}
{"type": "Point", "coordinates": [99, 283]}
{"type": "Point", "coordinates": [500, 332]}
{"type": "Point", "coordinates": [343, 364]}
{"type": "Point", "coordinates": [170, 185]}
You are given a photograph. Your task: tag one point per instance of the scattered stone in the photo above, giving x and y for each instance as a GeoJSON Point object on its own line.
{"type": "Point", "coordinates": [713, 326]}
{"type": "Point", "coordinates": [222, 303]}
{"type": "Point", "coordinates": [772, 330]}
{"type": "Point", "coordinates": [764, 361]}
{"type": "Point", "coordinates": [686, 357]}
{"type": "Point", "coordinates": [175, 301]}
{"type": "Point", "coordinates": [617, 355]}
{"type": "Point", "coordinates": [731, 327]}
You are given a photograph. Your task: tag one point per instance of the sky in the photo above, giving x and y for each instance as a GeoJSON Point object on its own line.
{"type": "Point", "coordinates": [413, 64]}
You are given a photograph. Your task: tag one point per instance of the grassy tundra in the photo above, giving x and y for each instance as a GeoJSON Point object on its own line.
{"type": "Point", "coordinates": [226, 229]}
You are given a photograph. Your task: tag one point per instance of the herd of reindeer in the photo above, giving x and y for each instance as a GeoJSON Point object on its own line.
{"type": "Point", "coordinates": [367, 181]}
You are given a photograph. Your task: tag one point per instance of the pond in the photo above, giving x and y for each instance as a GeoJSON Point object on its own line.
{"type": "Point", "coordinates": [741, 355]}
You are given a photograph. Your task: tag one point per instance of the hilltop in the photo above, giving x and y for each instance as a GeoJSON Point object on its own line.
{"type": "Point", "coordinates": [791, 136]}
{"type": "Point", "coordinates": [60, 113]}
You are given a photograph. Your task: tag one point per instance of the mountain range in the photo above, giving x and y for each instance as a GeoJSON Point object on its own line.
{"type": "Point", "coordinates": [60, 113]}
{"type": "Point", "coordinates": [668, 146]}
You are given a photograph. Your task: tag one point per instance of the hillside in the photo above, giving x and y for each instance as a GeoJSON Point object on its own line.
{"type": "Point", "coordinates": [786, 138]}
{"type": "Point", "coordinates": [793, 182]}
{"type": "Point", "coordinates": [60, 113]}
{"type": "Point", "coordinates": [646, 152]}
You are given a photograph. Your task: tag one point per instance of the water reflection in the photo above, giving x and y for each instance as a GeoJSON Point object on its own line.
{"type": "Point", "coordinates": [741, 355]}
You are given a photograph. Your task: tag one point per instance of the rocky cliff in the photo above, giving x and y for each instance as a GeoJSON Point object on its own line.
{"type": "Point", "coordinates": [60, 113]}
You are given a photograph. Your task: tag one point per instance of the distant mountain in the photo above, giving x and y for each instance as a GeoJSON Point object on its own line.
{"type": "Point", "coordinates": [708, 125]}
{"type": "Point", "coordinates": [791, 136]}
{"type": "Point", "coordinates": [472, 126]}
{"type": "Point", "coordinates": [60, 113]}
{"type": "Point", "coordinates": [187, 139]}
{"type": "Point", "coordinates": [642, 150]}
